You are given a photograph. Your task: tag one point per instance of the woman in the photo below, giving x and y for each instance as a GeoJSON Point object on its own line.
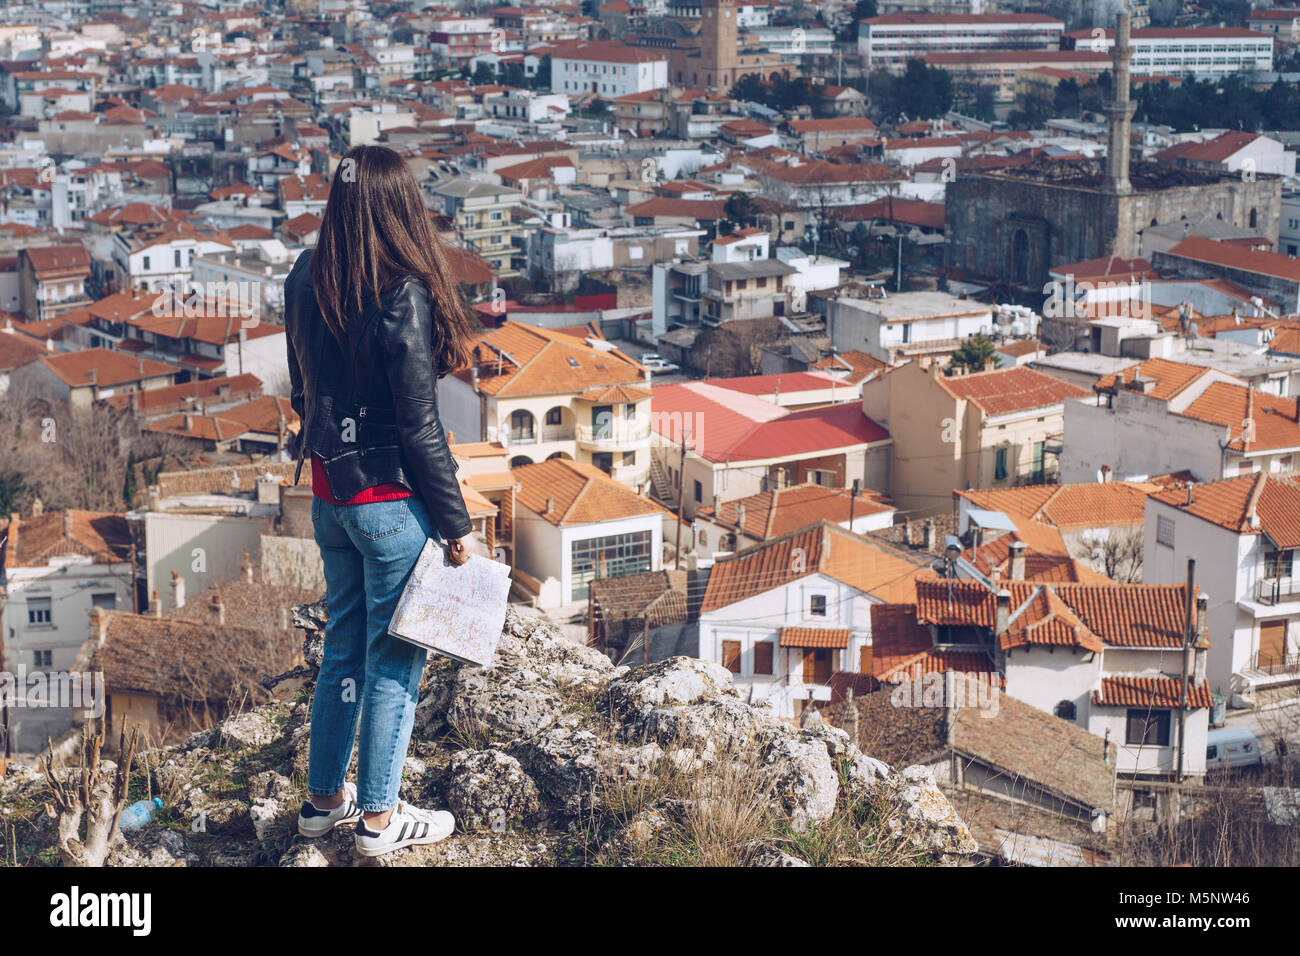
{"type": "Point", "coordinates": [373, 319]}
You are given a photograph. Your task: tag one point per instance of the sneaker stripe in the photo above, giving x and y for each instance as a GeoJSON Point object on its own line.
{"type": "Point", "coordinates": [406, 824]}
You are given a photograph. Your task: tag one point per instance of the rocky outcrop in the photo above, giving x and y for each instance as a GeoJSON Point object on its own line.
{"type": "Point", "coordinates": [550, 756]}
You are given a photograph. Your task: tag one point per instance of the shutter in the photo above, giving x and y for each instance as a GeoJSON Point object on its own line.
{"type": "Point", "coordinates": [731, 656]}
{"type": "Point", "coordinates": [764, 652]}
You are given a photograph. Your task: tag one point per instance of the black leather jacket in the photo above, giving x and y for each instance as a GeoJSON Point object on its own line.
{"type": "Point", "coordinates": [372, 415]}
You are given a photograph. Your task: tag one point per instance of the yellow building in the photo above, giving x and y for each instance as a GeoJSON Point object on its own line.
{"type": "Point", "coordinates": [484, 217]}
{"type": "Point", "coordinates": [984, 430]}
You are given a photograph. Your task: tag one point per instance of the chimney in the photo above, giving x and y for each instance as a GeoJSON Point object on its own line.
{"type": "Point", "coordinates": [550, 505]}
{"type": "Point", "coordinates": [1017, 569]}
{"type": "Point", "coordinates": [1248, 425]}
{"type": "Point", "coordinates": [67, 523]}
{"type": "Point", "coordinates": [178, 590]}
{"type": "Point", "coordinates": [1202, 645]}
{"type": "Point", "coordinates": [98, 625]}
{"type": "Point", "coordinates": [246, 563]}
{"type": "Point", "coordinates": [38, 507]}
{"type": "Point", "coordinates": [1190, 485]}
{"type": "Point", "coordinates": [155, 606]}
{"type": "Point", "coordinates": [740, 517]}
{"type": "Point", "coordinates": [1003, 619]}
{"type": "Point", "coordinates": [189, 422]}
{"type": "Point", "coordinates": [219, 608]}
{"type": "Point", "coordinates": [11, 550]}
{"type": "Point", "coordinates": [929, 535]}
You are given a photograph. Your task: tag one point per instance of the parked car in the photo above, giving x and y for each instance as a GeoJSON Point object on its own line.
{"type": "Point", "coordinates": [656, 363]}
{"type": "Point", "coordinates": [1231, 748]}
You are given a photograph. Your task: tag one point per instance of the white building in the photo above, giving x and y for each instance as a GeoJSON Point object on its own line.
{"type": "Point", "coordinates": [783, 634]}
{"type": "Point", "coordinates": [1241, 533]}
{"type": "Point", "coordinates": [1198, 51]}
{"type": "Point", "coordinates": [574, 524]}
{"type": "Point", "coordinates": [607, 69]}
{"type": "Point", "coordinates": [886, 327]}
{"type": "Point", "coordinates": [891, 40]}
{"type": "Point", "coordinates": [58, 567]}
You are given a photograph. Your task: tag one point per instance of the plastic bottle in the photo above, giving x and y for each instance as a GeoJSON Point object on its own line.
{"type": "Point", "coordinates": [140, 813]}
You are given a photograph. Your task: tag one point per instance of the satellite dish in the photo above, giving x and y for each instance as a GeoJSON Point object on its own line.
{"type": "Point", "coordinates": [1017, 327]}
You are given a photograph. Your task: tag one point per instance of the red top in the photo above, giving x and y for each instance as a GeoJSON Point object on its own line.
{"type": "Point", "coordinates": [320, 487]}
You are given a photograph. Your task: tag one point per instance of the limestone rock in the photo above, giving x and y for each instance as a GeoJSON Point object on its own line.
{"type": "Point", "coordinates": [488, 789]}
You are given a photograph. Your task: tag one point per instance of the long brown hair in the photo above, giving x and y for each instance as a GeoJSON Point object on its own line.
{"type": "Point", "coordinates": [377, 230]}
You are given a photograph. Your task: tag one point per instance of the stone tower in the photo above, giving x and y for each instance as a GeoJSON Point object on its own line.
{"type": "Point", "coordinates": [1119, 111]}
{"type": "Point", "coordinates": [719, 44]}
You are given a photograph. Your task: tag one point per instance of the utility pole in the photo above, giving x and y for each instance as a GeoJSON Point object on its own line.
{"type": "Point", "coordinates": [852, 499]}
{"type": "Point", "coordinates": [681, 502]}
{"type": "Point", "coordinates": [898, 283]}
{"type": "Point", "coordinates": [1187, 641]}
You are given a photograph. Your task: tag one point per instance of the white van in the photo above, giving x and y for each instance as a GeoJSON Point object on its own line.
{"type": "Point", "coordinates": [1231, 748]}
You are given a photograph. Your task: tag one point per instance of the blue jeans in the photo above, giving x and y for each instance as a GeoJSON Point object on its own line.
{"type": "Point", "coordinates": [369, 551]}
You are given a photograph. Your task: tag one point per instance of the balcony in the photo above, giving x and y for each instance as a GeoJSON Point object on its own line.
{"type": "Point", "coordinates": [1277, 590]}
{"type": "Point", "coordinates": [618, 434]}
{"type": "Point", "coordinates": [631, 475]}
{"type": "Point", "coordinates": [537, 436]}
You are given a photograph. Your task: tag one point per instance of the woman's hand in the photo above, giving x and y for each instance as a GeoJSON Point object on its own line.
{"type": "Point", "coordinates": [459, 549]}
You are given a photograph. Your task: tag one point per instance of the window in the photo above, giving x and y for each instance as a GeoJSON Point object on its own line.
{"type": "Point", "coordinates": [699, 491]}
{"type": "Point", "coordinates": [107, 601]}
{"type": "Point", "coordinates": [555, 416]}
{"type": "Point", "coordinates": [38, 611]}
{"type": "Point", "coordinates": [521, 425]}
{"type": "Point", "coordinates": [1066, 710]}
{"type": "Point", "coordinates": [43, 658]}
{"type": "Point", "coordinates": [610, 556]}
{"type": "Point", "coordinates": [703, 539]}
{"type": "Point", "coordinates": [1277, 564]}
{"type": "Point", "coordinates": [1000, 464]}
{"type": "Point", "coordinates": [1165, 532]}
{"type": "Point", "coordinates": [817, 605]}
{"type": "Point", "coordinates": [1038, 459]}
{"type": "Point", "coordinates": [1147, 728]}
{"type": "Point", "coordinates": [731, 656]}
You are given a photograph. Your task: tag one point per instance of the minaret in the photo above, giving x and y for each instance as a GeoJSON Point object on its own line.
{"type": "Point", "coordinates": [1119, 111]}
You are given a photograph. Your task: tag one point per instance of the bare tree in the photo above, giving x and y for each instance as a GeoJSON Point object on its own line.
{"type": "Point", "coordinates": [89, 793]}
{"type": "Point", "coordinates": [1118, 555]}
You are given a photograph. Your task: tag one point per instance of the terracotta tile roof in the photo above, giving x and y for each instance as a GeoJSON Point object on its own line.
{"type": "Point", "coordinates": [57, 259]}
{"type": "Point", "coordinates": [1004, 391]}
{"type": "Point", "coordinates": [110, 367]}
{"type": "Point", "coordinates": [1170, 378]}
{"type": "Point", "coordinates": [1047, 621]}
{"type": "Point", "coordinates": [1276, 420]}
{"type": "Point", "coordinates": [581, 493]}
{"type": "Point", "coordinates": [1068, 507]}
{"type": "Point", "coordinates": [1150, 692]}
{"type": "Point", "coordinates": [859, 365]}
{"type": "Point", "coordinates": [939, 660]}
{"type": "Point", "coordinates": [96, 534]}
{"type": "Point", "coordinates": [1035, 745]}
{"type": "Point", "coordinates": [640, 595]}
{"type": "Point", "coordinates": [176, 658]}
{"type": "Point", "coordinates": [617, 394]}
{"type": "Point", "coordinates": [518, 359]}
{"type": "Point", "coordinates": [912, 212]}
{"type": "Point", "coordinates": [770, 514]}
{"type": "Point", "coordinates": [17, 350]}
{"type": "Point", "coordinates": [1237, 257]}
{"type": "Point", "coordinates": [835, 124]}
{"type": "Point", "coordinates": [814, 637]}
{"type": "Point", "coordinates": [706, 210]}
{"type": "Point", "coordinates": [222, 479]}
{"type": "Point", "coordinates": [1123, 615]}
{"type": "Point", "coordinates": [184, 395]}
{"type": "Point", "coordinates": [822, 548]}
{"type": "Point", "coordinates": [1216, 150]}
{"type": "Point", "coordinates": [1274, 498]}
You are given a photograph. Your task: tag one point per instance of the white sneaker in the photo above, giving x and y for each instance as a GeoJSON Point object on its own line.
{"type": "Point", "coordinates": [408, 826]}
{"type": "Point", "coordinates": [314, 822]}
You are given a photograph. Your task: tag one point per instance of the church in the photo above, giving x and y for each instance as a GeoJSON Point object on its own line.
{"type": "Point", "coordinates": [1012, 225]}
{"type": "Point", "coordinates": [701, 39]}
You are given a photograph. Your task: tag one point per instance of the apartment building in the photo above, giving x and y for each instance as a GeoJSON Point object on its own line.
{"type": "Point", "coordinates": [483, 214]}
{"type": "Point", "coordinates": [52, 280]}
{"type": "Point", "coordinates": [889, 41]}
{"type": "Point", "coordinates": [1181, 51]}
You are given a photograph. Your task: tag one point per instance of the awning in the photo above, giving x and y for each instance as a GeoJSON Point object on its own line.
{"type": "Point", "coordinates": [815, 637]}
